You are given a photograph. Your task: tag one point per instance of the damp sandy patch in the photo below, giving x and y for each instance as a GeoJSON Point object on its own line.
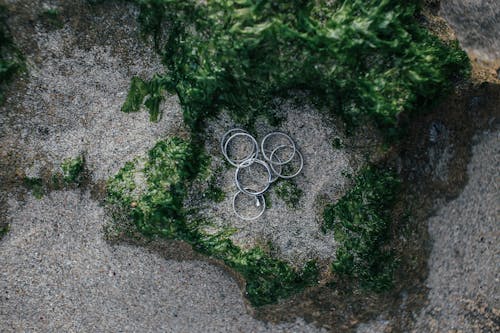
{"type": "Point", "coordinates": [72, 104]}
{"type": "Point", "coordinates": [59, 274]}
{"type": "Point", "coordinates": [463, 271]}
{"type": "Point", "coordinates": [293, 231]}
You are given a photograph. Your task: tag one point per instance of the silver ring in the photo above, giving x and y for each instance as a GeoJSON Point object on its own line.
{"type": "Point", "coordinates": [223, 140]}
{"type": "Point", "coordinates": [274, 168]}
{"type": "Point", "coordinates": [260, 199]}
{"type": "Point", "coordinates": [253, 155]}
{"type": "Point", "coordinates": [246, 164]}
{"type": "Point", "coordinates": [287, 176]}
{"type": "Point", "coordinates": [275, 176]}
{"type": "Point", "coordinates": [268, 158]}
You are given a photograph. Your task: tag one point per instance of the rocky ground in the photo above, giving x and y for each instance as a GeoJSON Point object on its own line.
{"type": "Point", "coordinates": [71, 101]}
{"type": "Point", "coordinates": [59, 274]}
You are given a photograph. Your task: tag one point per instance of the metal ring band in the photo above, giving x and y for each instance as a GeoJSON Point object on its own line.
{"type": "Point", "coordinates": [260, 199]}
{"type": "Point", "coordinates": [246, 164]}
{"type": "Point", "coordinates": [268, 158]}
{"type": "Point", "coordinates": [223, 140]}
{"type": "Point", "coordinates": [275, 176]}
{"type": "Point", "coordinates": [287, 176]}
{"type": "Point", "coordinates": [253, 155]}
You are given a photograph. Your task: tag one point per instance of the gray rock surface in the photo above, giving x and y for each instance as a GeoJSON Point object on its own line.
{"type": "Point", "coordinates": [464, 274]}
{"type": "Point", "coordinates": [58, 274]}
{"type": "Point", "coordinates": [74, 99]}
{"type": "Point", "coordinates": [476, 24]}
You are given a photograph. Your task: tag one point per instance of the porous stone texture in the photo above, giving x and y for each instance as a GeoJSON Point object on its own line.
{"type": "Point", "coordinates": [477, 25]}
{"type": "Point", "coordinates": [59, 275]}
{"type": "Point", "coordinates": [295, 233]}
{"type": "Point", "coordinates": [464, 275]}
{"type": "Point", "coordinates": [440, 153]}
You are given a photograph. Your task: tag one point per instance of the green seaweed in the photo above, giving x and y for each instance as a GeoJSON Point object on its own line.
{"type": "Point", "coordinates": [267, 199]}
{"type": "Point", "coordinates": [136, 94]}
{"type": "Point", "coordinates": [35, 185]}
{"type": "Point", "coordinates": [156, 208]}
{"type": "Point", "coordinates": [150, 92]}
{"type": "Point", "coordinates": [365, 58]}
{"type": "Point", "coordinates": [289, 192]}
{"type": "Point", "coordinates": [215, 193]}
{"type": "Point", "coordinates": [72, 169]}
{"type": "Point", "coordinates": [159, 210]}
{"type": "Point", "coordinates": [337, 143]}
{"type": "Point", "coordinates": [11, 60]}
{"type": "Point", "coordinates": [4, 229]}
{"type": "Point", "coordinates": [72, 174]}
{"type": "Point", "coordinates": [360, 221]}
{"type": "Point", "coordinates": [52, 17]}
{"type": "Point", "coordinates": [267, 279]}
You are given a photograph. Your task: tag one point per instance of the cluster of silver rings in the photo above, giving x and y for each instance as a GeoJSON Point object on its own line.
{"type": "Point", "coordinates": [272, 159]}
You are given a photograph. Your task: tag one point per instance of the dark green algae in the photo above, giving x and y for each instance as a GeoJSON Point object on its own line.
{"type": "Point", "coordinates": [157, 210]}
{"type": "Point", "coordinates": [11, 59]}
{"type": "Point", "coordinates": [366, 61]}
{"type": "Point", "coordinates": [72, 174]}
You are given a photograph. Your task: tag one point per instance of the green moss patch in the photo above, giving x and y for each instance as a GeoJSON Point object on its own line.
{"type": "Point", "coordinates": [289, 192]}
{"type": "Point", "coordinates": [213, 192]}
{"type": "Point", "coordinates": [36, 186]}
{"type": "Point", "coordinates": [360, 221]}
{"type": "Point", "coordinates": [148, 92]}
{"type": "Point", "coordinates": [267, 279]}
{"type": "Point", "coordinates": [157, 209]}
{"type": "Point", "coordinates": [71, 174]}
{"type": "Point", "coordinates": [72, 169]}
{"type": "Point", "coordinates": [11, 60]}
{"type": "Point", "coordinates": [365, 58]}
{"type": "Point", "coordinates": [4, 229]}
{"type": "Point", "coordinates": [151, 192]}
{"type": "Point", "coordinates": [52, 17]}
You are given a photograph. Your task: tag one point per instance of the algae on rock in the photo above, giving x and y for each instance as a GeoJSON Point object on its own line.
{"type": "Point", "coordinates": [360, 221]}
{"type": "Point", "coordinates": [156, 208]}
{"type": "Point", "coordinates": [72, 169]}
{"type": "Point", "coordinates": [366, 60]}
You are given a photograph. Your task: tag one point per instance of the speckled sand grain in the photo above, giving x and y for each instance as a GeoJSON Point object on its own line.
{"type": "Point", "coordinates": [294, 232]}
{"type": "Point", "coordinates": [464, 271]}
{"type": "Point", "coordinates": [59, 275]}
